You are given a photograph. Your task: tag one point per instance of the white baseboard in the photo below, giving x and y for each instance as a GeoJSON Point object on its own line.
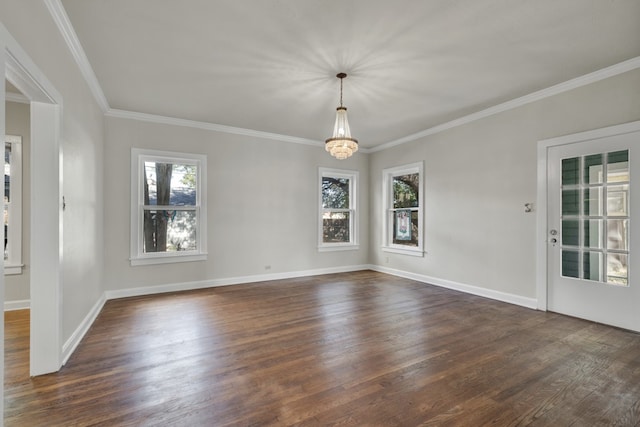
{"type": "Point", "coordinates": [17, 305]}
{"type": "Point", "coordinates": [70, 345]}
{"type": "Point", "coordinates": [469, 289]}
{"type": "Point", "coordinates": [80, 332]}
{"type": "Point", "coordinates": [201, 284]}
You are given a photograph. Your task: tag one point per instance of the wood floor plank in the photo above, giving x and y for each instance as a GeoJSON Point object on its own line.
{"type": "Point", "coordinates": [349, 349]}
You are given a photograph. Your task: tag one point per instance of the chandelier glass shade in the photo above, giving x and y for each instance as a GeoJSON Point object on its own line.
{"type": "Point", "coordinates": [341, 145]}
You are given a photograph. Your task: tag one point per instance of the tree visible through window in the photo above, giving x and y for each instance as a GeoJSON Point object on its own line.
{"type": "Point", "coordinates": [337, 208]}
{"type": "Point", "coordinates": [169, 209]}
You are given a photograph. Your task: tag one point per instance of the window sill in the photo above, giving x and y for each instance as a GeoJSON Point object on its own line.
{"type": "Point", "coordinates": [411, 252]}
{"type": "Point", "coordinates": [332, 248]}
{"type": "Point", "coordinates": [167, 259]}
{"type": "Point", "coordinates": [13, 269]}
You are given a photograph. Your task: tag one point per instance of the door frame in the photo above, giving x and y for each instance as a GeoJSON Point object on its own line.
{"type": "Point", "coordinates": [542, 277]}
{"type": "Point", "coordinates": [46, 205]}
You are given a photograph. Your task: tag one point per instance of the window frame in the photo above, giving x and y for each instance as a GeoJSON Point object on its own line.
{"type": "Point", "coordinates": [13, 263]}
{"type": "Point", "coordinates": [353, 210]}
{"type": "Point", "coordinates": [138, 158]}
{"type": "Point", "coordinates": [388, 209]}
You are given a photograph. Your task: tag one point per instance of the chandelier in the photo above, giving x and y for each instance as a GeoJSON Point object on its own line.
{"type": "Point", "coordinates": [341, 145]}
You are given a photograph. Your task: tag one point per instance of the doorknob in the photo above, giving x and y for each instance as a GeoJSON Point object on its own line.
{"type": "Point", "coordinates": [553, 232]}
{"type": "Point", "coordinates": [554, 240]}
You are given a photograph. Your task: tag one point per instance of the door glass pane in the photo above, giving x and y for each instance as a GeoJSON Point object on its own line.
{"type": "Point", "coordinates": [593, 169]}
{"type": "Point", "coordinates": [570, 267]}
{"type": "Point", "coordinates": [617, 269]}
{"type": "Point", "coordinates": [570, 233]}
{"type": "Point", "coordinates": [618, 166]}
{"type": "Point", "coordinates": [593, 203]}
{"type": "Point", "coordinates": [335, 227]}
{"type": "Point", "coordinates": [593, 234]}
{"type": "Point", "coordinates": [592, 266]}
{"type": "Point", "coordinates": [617, 200]}
{"type": "Point", "coordinates": [571, 171]}
{"type": "Point", "coordinates": [570, 202]}
{"type": "Point", "coordinates": [618, 234]}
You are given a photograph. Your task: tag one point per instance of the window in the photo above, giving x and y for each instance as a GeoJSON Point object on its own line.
{"type": "Point", "coordinates": [13, 205]}
{"type": "Point", "coordinates": [338, 219]}
{"type": "Point", "coordinates": [403, 193]}
{"type": "Point", "coordinates": [168, 207]}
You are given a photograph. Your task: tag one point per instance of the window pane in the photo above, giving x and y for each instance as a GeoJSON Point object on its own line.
{"type": "Point", "coordinates": [335, 227]}
{"type": "Point", "coordinates": [592, 266]}
{"type": "Point", "coordinates": [570, 264]}
{"type": "Point", "coordinates": [593, 203]}
{"type": "Point", "coordinates": [617, 269]}
{"type": "Point", "coordinates": [593, 169]}
{"type": "Point", "coordinates": [405, 191]}
{"type": "Point", "coordinates": [618, 166]}
{"type": "Point", "coordinates": [593, 233]}
{"type": "Point", "coordinates": [617, 197]}
{"type": "Point", "coordinates": [7, 172]}
{"type": "Point", "coordinates": [169, 184]}
{"type": "Point", "coordinates": [6, 230]}
{"type": "Point", "coordinates": [405, 227]}
{"type": "Point", "coordinates": [169, 231]}
{"type": "Point", "coordinates": [570, 202]}
{"type": "Point", "coordinates": [618, 234]}
{"type": "Point", "coordinates": [335, 193]}
{"type": "Point", "coordinates": [570, 171]}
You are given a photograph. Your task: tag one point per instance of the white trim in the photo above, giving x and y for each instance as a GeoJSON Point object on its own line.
{"type": "Point", "coordinates": [338, 247]}
{"type": "Point", "coordinates": [16, 97]}
{"type": "Point", "coordinates": [153, 118]}
{"type": "Point", "coordinates": [212, 283]}
{"type": "Point", "coordinates": [11, 270]}
{"type": "Point", "coordinates": [461, 287]}
{"type": "Point", "coordinates": [575, 83]}
{"type": "Point", "coordinates": [46, 219]}
{"type": "Point", "coordinates": [72, 343]}
{"type": "Point", "coordinates": [403, 251]}
{"type": "Point", "coordinates": [23, 304]}
{"type": "Point", "coordinates": [541, 217]}
{"type": "Point", "coordinates": [60, 17]}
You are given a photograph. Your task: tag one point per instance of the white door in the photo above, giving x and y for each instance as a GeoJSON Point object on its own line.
{"type": "Point", "coordinates": [593, 232]}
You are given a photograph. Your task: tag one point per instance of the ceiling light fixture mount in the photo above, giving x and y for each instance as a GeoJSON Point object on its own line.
{"type": "Point", "coordinates": [341, 145]}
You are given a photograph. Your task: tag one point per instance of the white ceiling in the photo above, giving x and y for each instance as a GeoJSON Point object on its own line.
{"type": "Point", "coordinates": [270, 65]}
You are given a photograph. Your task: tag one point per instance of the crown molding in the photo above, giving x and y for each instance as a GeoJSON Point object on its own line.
{"type": "Point", "coordinates": [575, 83]}
{"type": "Point", "coordinates": [66, 29]}
{"type": "Point", "coordinates": [153, 118]}
{"type": "Point", "coordinates": [60, 17]}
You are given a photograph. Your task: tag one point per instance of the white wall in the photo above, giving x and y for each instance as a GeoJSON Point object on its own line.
{"type": "Point", "coordinates": [31, 24]}
{"type": "Point", "coordinates": [262, 205]}
{"type": "Point", "coordinates": [18, 123]}
{"type": "Point", "coordinates": [478, 177]}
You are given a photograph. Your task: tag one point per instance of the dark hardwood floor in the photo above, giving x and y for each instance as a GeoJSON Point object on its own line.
{"type": "Point", "coordinates": [354, 349]}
